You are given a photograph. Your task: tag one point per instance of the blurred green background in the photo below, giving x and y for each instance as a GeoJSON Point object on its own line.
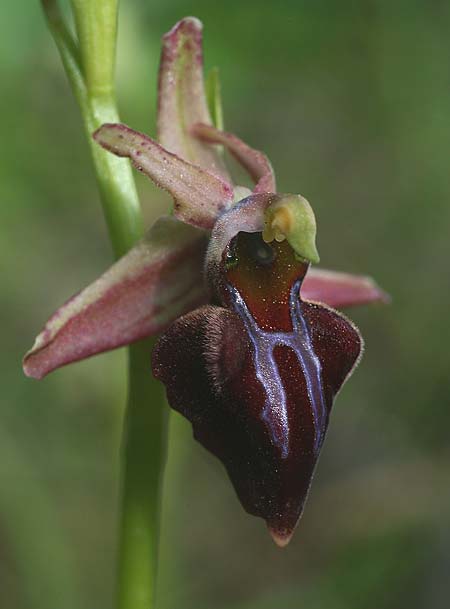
{"type": "Point", "coordinates": [351, 102]}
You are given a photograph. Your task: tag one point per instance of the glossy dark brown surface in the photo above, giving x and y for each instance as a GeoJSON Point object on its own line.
{"type": "Point", "coordinates": [257, 379]}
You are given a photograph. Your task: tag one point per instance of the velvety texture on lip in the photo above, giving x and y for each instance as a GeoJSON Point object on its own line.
{"type": "Point", "coordinates": [162, 276]}
{"type": "Point", "coordinates": [246, 355]}
{"type": "Point", "coordinates": [263, 370]}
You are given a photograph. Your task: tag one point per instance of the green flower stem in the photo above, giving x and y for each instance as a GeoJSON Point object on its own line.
{"type": "Point", "coordinates": [145, 452]}
{"type": "Point", "coordinates": [89, 65]}
{"type": "Point", "coordinates": [115, 180]}
{"type": "Point", "coordinates": [96, 23]}
{"type": "Point", "coordinates": [96, 99]}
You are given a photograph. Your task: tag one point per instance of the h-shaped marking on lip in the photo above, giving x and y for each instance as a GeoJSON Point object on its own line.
{"type": "Point", "coordinates": [299, 340]}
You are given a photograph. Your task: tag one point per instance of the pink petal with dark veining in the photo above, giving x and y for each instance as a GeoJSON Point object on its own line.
{"type": "Point", "coordinates": [153, 284]}
{"type": "Point", "coordinates": [253, 161]}
{"type": "Point", "coordinates": [181, 96]}
{"type": "Point", "coordinates": [341, 289]}
{"type": "Point", "coordinates": [199, 196]}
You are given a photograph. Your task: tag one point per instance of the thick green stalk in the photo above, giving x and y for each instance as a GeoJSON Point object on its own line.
{"type": "Point", "coordinates": [145, 452]}
{"type": "Point", "coordinates": [89, 64]}
{"type": "Point", "coordinates": [114, 179]}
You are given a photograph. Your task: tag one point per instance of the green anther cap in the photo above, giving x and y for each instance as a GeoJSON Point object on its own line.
{"type": "Point", "coordinates": [291, 217]}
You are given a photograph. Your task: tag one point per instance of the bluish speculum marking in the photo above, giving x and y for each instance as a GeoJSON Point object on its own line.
{"type": "Point", "coordinates": [275, 412]}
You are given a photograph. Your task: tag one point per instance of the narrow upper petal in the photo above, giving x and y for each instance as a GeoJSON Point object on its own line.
{"type": "Point", "coordinates": [181, 96]}
{"type": "Point", "coordinates": [199, 196]}
{"type": "Point", "coordinates": [254, 161]}
{"type": "Point", "coordinates": [341, 289]}
{"type": "Point", "coordinates": [154, 283]}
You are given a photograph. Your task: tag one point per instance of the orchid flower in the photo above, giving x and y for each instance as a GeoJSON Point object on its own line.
{"type": "Point", "coordinates": [251, 352]}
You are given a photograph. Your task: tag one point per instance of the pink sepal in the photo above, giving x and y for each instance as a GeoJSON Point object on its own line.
{"type": "Point", "coordinates": [138, 296]}
{"type": "Point", "coordinates": [341, 290]}
{"type": "Point", "coordinates": [181, 96]}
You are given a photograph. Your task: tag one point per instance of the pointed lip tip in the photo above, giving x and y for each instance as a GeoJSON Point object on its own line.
{"type": "Point", "coordinates": [281, 539]}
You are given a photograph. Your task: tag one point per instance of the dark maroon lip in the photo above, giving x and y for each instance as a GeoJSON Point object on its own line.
{"type": "Point", "coordinates": [259, 399]}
